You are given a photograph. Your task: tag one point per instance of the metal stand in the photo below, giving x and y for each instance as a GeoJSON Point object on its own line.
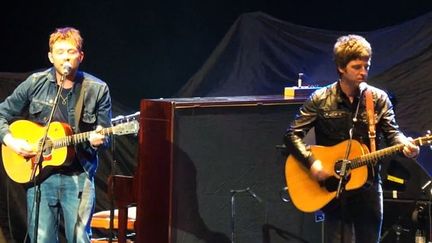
{"type": "Point", "coordinates": [39, 158]}
{"type": "Point", "coordinates": [115, 121]}
{"type": "Point", "coordinates": [233, 194]}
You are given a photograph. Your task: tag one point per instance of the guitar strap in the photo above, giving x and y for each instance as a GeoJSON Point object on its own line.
{"type": "Point", "coordinates": [79, 104]}
{"type": "Point", "coordinates": [371, 119]}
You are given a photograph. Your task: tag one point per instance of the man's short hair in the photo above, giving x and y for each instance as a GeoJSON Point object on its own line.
{"type": "Point", "coordinates": [350, 47]}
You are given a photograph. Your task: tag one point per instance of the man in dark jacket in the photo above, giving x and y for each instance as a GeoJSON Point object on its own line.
{"type": "Point", "coordinates": [68, 189]}
{"type": "Point", "coordinates": [337, 113]}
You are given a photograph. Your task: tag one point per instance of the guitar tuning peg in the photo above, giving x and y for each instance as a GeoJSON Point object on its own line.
{"type": "Point", "coordinates": [428, 132]}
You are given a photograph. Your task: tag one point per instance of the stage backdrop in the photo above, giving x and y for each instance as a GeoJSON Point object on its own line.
{"type": "Point", "coordinates": [259, 56]}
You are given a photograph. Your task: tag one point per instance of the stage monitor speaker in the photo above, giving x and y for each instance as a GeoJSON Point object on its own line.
{"type": "Point", "coordinates": [405, 178]}
{"type": "Point", "coordinates": [211, 172]}
{"type": "Point", "coordinates": [407, 191]}
{"type": "Point", "coordinates": [402, 219]}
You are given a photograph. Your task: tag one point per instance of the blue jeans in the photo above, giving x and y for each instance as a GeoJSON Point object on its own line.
{"type": "Point", "coordinates": [73, 196]}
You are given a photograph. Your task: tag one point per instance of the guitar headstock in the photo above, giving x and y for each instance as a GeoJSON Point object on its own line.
{"type": "Point", "coordinates": [130, 127]}
{"type": "Point", "coordinates": [425, 140]}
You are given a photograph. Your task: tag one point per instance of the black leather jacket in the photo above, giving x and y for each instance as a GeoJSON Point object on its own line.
{"type": "Point", "coordinates": [331, 114]}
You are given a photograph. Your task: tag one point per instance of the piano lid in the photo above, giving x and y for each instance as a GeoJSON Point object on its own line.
{"type": "Point", "coordinates": [203, 102]}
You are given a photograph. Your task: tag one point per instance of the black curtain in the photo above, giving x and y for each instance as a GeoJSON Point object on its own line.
{"type": "Point", "coordinates": [260, 55]}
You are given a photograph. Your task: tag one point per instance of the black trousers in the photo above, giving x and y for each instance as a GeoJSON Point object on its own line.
{"type": "Point", "coordinates": [360, 212]}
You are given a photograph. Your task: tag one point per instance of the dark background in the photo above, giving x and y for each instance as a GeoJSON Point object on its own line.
{"type": "Point", "coordinates": [149, 49]}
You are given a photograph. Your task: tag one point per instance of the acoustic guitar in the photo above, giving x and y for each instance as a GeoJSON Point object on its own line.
{"type": "Point", "coordinates": [310, 195]}
{"type": "Point", "coordinates": [58, 150]}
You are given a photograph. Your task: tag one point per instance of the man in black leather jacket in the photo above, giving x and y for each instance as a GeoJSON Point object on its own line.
{"type": "Point", "coordinates": [333, 112]}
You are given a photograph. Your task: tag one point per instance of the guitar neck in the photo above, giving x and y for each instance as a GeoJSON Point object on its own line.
{"type": "Point", "coordinates": [79, 138]}
{"type": "Point", "coordinates": [373, 157]}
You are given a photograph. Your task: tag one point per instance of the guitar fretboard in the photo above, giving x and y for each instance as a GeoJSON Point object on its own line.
{"type": "Point", "coordinates": [373, 157]}
{"type": "Point", "coordinates": [79, 138]}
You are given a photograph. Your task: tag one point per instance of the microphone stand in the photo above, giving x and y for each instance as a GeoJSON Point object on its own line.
{"type": "Point", "coordinates": [345, 168]}
{"type": "Point", "coordinates": [345, 161]}
{"type": "Point", "coordinates": [341, 186]}
{"type": "Point", "coordinates": [117, 120]}
{"type": "Point", "coordinates": [233, 194]}
{"type": "Point", "coordinates": [37, 163]}
{"type": "Point", "coordinates": [111, 186]}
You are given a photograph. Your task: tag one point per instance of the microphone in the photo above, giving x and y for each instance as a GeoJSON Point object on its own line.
{"type": "Point", "coordinates": [362, 87]}
{"type": "Point", "coordinates": [253, 194]}
{"type": "Point", "coordinates": [238, 191]}
{"type": "Point", "coordinates": [67, 67]}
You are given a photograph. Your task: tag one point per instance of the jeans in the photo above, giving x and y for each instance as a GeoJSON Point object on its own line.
{"type": "Point", "coordinates": [73, 197]}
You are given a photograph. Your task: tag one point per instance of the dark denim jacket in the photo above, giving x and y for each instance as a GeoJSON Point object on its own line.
{"type": "Point", "coordinates": [330, 113]}
{"type": "Point", "coordinates": [33, 100]}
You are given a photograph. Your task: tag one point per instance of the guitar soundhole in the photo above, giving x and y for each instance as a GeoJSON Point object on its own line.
{"type": "Point", "coordinates": [331, 184]}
